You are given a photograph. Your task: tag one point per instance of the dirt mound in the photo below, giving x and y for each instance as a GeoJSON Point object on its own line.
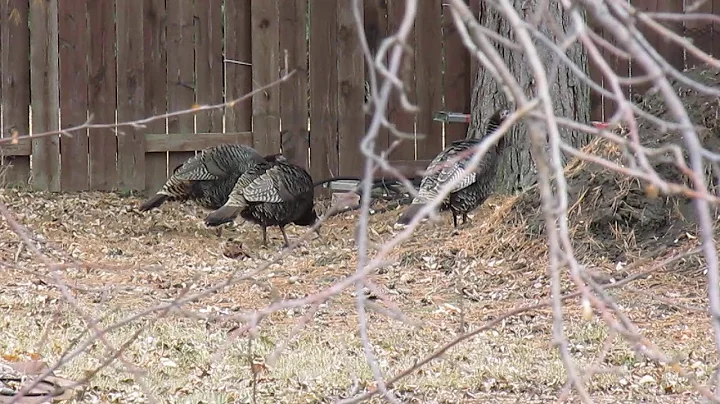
{"type": "Point", "coordinates": [610, 214]}
{"type": "Point", "coordinates": [613, 215]}
{"type": "Point", "coordinates": [702, 109]}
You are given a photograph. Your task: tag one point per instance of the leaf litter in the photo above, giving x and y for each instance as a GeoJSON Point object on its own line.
{"type": "Point", "coordinates": [117, 261]}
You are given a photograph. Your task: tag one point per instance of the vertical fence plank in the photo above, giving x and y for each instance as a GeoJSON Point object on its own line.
{"type": "Point", "coordinates": [238, 77]}
{"type": "Point", "coordinates": [208, 64]}
{"type": "Point", "coordinates": [294, 93]}
{"type": "Point", "coordinates": [716, 30]}
{"type": "Point", "coordinates": [14, 84]}
{"type": "Point", "coordinates": [700, 32]}
{"type": "Point", "coordinates": [180, 72]}
{"type": "Point", "coordinates": [596, 98]}
{"type": "Point", "coordinates": [673, 53]}
{"type": "Point", "coordinates": [5, 162]}
{"type": "Point", "coordinates": [45, 97]}
{"type": "Point", "coordinates": [351, 91]}
{"type": "Point", "coordinates": [155, 68]}
{"type": "Point", "coordinates": [428, 71]}
{"type": "Point", "coordinates": [265, 17]}
{"type": "Point", "coordinates": [102, 95]}
{"type": "Point", "coordinates": [376, 29]}
{"type": "Point", "coordinates": [403, 120]}
{"type": "Point", "coordinates": [130, 90]}
{"type": "Point", "coordinates": [457, 78]}
{"type": "Point", "coordinates": [475, 7]}
{"type": "Point", "coordinates": [323, 89]}
{"type": "Point", "coordinates": [73, 50]}
{"type": "Point", "coordinates": [668, 49]}
{"type": "Point", "coordinates": [621, 67]}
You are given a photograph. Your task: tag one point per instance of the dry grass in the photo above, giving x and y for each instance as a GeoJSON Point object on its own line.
{"type": "Point", "coordinates": [146, 259]}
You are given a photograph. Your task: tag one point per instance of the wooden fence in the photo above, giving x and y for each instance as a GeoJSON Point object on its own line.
{"type": "Point", "coordinates": [126, 60]}
{"type": "Point", "coordinates": [702, 34]}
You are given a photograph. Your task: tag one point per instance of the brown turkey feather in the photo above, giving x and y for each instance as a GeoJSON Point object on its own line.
{"type": "Point", "coordinates": [474, 187]}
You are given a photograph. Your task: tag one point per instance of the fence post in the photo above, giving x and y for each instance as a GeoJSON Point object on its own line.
{"type": "Point", "coordinates": [404, 121]}
{"type": "Point", "coordinates": [156, 63]}
{"type": "Point", "coordinates": [130, 90]}
{"type": "Point", "coordinates": [265, 20]}
{"type": "Point", "coordinates": [323, 89]}
{"type": "Point", "coordinates": [293, 93]}
{"type": "Point", "coordinates": [457, 80]}
{"type": "Point", "coordinates": [73, 73]}
{"type": "Point", "coordinates": [238, 73]}
{"type": "Point", "coordinates": [45, 94]}
{"type": "Point", "coordinates": [102, 96]}
{"type": "Point", "coordinates": [351, 91]}
{"type": "Point", "coordinates": [180, 73]}
{"type": "Point", "coordinates": [15, 84]}
{"type": "Point", "coordinates": [428, 77]}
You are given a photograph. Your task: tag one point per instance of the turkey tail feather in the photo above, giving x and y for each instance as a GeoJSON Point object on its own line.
{"type": "Point", "coordinates": [153, 202]}
{"type": "Point", "coordinates": [409, 213]}
{"type": "Point", "coordinates": [225, 214]}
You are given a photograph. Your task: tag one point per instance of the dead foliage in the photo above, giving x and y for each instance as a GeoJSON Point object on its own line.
{"type": "Point", "coordinates": [119, 261]}
{"type": "Point", "coordinates": [116, 260]}
{"type": "Point", "coordinates": [613, 216]}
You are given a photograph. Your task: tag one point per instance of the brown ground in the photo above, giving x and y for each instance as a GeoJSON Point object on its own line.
{"type": "Point", "coordinates": [131, 261]}
{"type": "Point", "coordinates": [146, 260]}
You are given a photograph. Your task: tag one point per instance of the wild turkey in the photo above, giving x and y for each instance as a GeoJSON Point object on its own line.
{"type": "Point", "coordinates": [207, 178]}
{"type": "Point", "coordinates": [272, 193]}
{"type": "Point", "coordinates": [475, 187]}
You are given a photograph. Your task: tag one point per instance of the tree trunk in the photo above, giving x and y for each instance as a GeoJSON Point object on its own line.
{"type": "Point", "coordinates": [571, 97]}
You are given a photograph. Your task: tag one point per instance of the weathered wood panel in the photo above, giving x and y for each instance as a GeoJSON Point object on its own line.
{"type": "Point", "coordinates": [73, 43]}
{"type": "Point", "coordinates": [475, 7]}
{"type": "Point", "coordinates": [130, 94]}
{"type": "Point", "coordinates": [196, 76]}
{"type": "Point", "coordinates": [351, 91]}
{"type": "Point", "coordinates": [14, 87]}
{"type": "Point", "coordinates": [180, 72]}
{"type": "Point", "coordinates": [700, 32]}
{"type": "Point", "coordinates": [457, 80]}
{"type": "Point", "coordinates": [716, 30]}
{"type": "Point", "coordinates": [407, 168]}
{"type": "Point", "coordinates": [183, 142]}
{"type": "Point", "coordinates": [265, 18]}
{"type": "Point", "coordinates": [4, 162]}
{"type": "Point", "coordinates": [294, 93]}
{"type": "Point", "coordinates": [323, 90]}
{"type": "Point", "coordinates": [620, 66]}
{"type": "Point", "coordinates": [376, 30]}
{"type": "Point", "coordinates": [238, 77]}
{"type": "Point", "coordinates": [668, 49]}
{"type": "Point", "coordinates": [44, 87]}
{"type": "Point", "coordinates": [596, 98]}
{"type": "Point", "coordinates": [102, 94]}
{"type": "Point", "coordinates": [19, 149]}
{"type": "Point", "coordinates": [156, 167]}
{"type": "Point", "coordinates": [158, 142]}
{"type": "Point", "coordinates": [209, 64]}
{"type": "Point", "coordinates": [403, 120]}
{"type": "Point", "coordinates": [428, 72]}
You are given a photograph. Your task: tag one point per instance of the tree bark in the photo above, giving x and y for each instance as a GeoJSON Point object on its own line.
{"type": "Point", "coordinates": [571, 97]}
